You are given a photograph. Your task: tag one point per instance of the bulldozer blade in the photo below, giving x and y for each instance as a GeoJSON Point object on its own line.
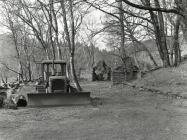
{"type": "Point", "coordinates": [58, 99]}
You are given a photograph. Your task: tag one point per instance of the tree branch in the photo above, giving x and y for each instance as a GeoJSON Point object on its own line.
{"type": "Point", "coordinates": [7, 67]}
{"type": "Point", "coordinates": [175, 11]}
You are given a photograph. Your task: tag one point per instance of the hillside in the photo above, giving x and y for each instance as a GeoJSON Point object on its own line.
{"type": "Point", "coordinates": [7, 55]}
{"type": "Point", "coordinates": [152, 47]}
{"type": "Point", "coordinates": [168, 80]}
{"type": "Point", "coordinates": [7, 48]}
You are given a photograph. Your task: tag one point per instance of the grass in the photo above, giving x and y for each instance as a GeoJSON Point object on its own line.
{"type": "Point", "coordinates": [170, 80]}
{"type": "Point", "coordinates": [122, 113]}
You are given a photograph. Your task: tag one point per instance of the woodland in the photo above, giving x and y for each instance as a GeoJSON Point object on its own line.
{"type": "Point", "coordinates": [65, 29]}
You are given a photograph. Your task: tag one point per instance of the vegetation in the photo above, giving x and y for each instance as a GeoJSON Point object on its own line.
{"type": "Point", "coordinates": [62, 29]}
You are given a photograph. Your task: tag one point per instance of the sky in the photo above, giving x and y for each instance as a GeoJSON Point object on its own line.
{"type": "Point", "coordinates": [92, 17]}
{"type": "Point", "coordinates": [93, 20]}
{"type": "Point", "coordinates": [3, 29]}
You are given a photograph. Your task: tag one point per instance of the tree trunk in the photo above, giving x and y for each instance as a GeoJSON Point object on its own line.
{"type": "Point", "coordinates": [172, 56]}
{"type": "Point", "coordinates": [29, 72]}
{"type": "Point", "coordinates": [50, 26]}
{"type": "Point", "coordinates": [145, 48]}
{"type": "Point", "coordinates": [162, 40]}
{"type": "Point", "coordinates": [122, 37]}
{"type": "Point", "coordinates": [158, 24]}
{"type": "Point", "coordinates": [176, 42]}
{"type": "Point", "coordinates": [150, 55]}
{"type": "Point", "coordinates": [73, 73]}
{"type": "Point", "coordinates": [59, 53]}
{"type": "Point", "coordinates": [77, 85]}
{"type": "Point", "coordinates": [181, 5]}
{"type": "Point", "coordinates": [71, 42]}
{"type": "Point", "coordinates": [20, 75]}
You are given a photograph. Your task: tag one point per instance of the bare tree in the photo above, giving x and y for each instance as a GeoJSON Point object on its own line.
{"type": "Point", "coordinates": [70, 38]}
{"type": "Point", "coordinates": [122, 32]}
{"type": "Point", "coordinates": [179, 8]}
{"type": "Point", "coordinates": [153, 14]}
{"type": "Point", "coordinates": [13, 26]}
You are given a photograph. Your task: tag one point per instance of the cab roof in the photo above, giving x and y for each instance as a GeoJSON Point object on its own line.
{"type": "Point", "coordinates": [53, 62]}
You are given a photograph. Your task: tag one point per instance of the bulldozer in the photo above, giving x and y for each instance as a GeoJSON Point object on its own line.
{"type": "Point", "coordinates": [53, 87]}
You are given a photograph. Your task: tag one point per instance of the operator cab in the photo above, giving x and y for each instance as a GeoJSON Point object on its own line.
{"type": "Point", "coordinates": [54, 76]}
{"type": "Point", "coordinates": [53, 68]}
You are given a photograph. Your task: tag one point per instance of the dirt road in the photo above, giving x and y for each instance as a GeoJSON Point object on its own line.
{"type": "Point", "coordinates": [122, 113]}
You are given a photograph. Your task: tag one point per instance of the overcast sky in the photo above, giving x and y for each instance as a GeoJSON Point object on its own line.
{"type": "Point", "coordinates": [93, 17]}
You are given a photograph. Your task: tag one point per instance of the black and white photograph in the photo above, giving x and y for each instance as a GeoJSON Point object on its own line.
{"type": "Point", "coordinates": [93, 69]}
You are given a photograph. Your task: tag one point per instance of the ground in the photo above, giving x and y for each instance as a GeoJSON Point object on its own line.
{"type": "Point", "coordinates": [168, 80]}
{"type": "Point", "coordinates": [121, 113]}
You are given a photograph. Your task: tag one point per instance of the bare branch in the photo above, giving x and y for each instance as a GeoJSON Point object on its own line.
{"type": "Point", "coordinates": [175, 11]}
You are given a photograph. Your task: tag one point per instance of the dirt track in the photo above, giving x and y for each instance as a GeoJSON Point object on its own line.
{"type": "Point", "coordinates": [125, 114]}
